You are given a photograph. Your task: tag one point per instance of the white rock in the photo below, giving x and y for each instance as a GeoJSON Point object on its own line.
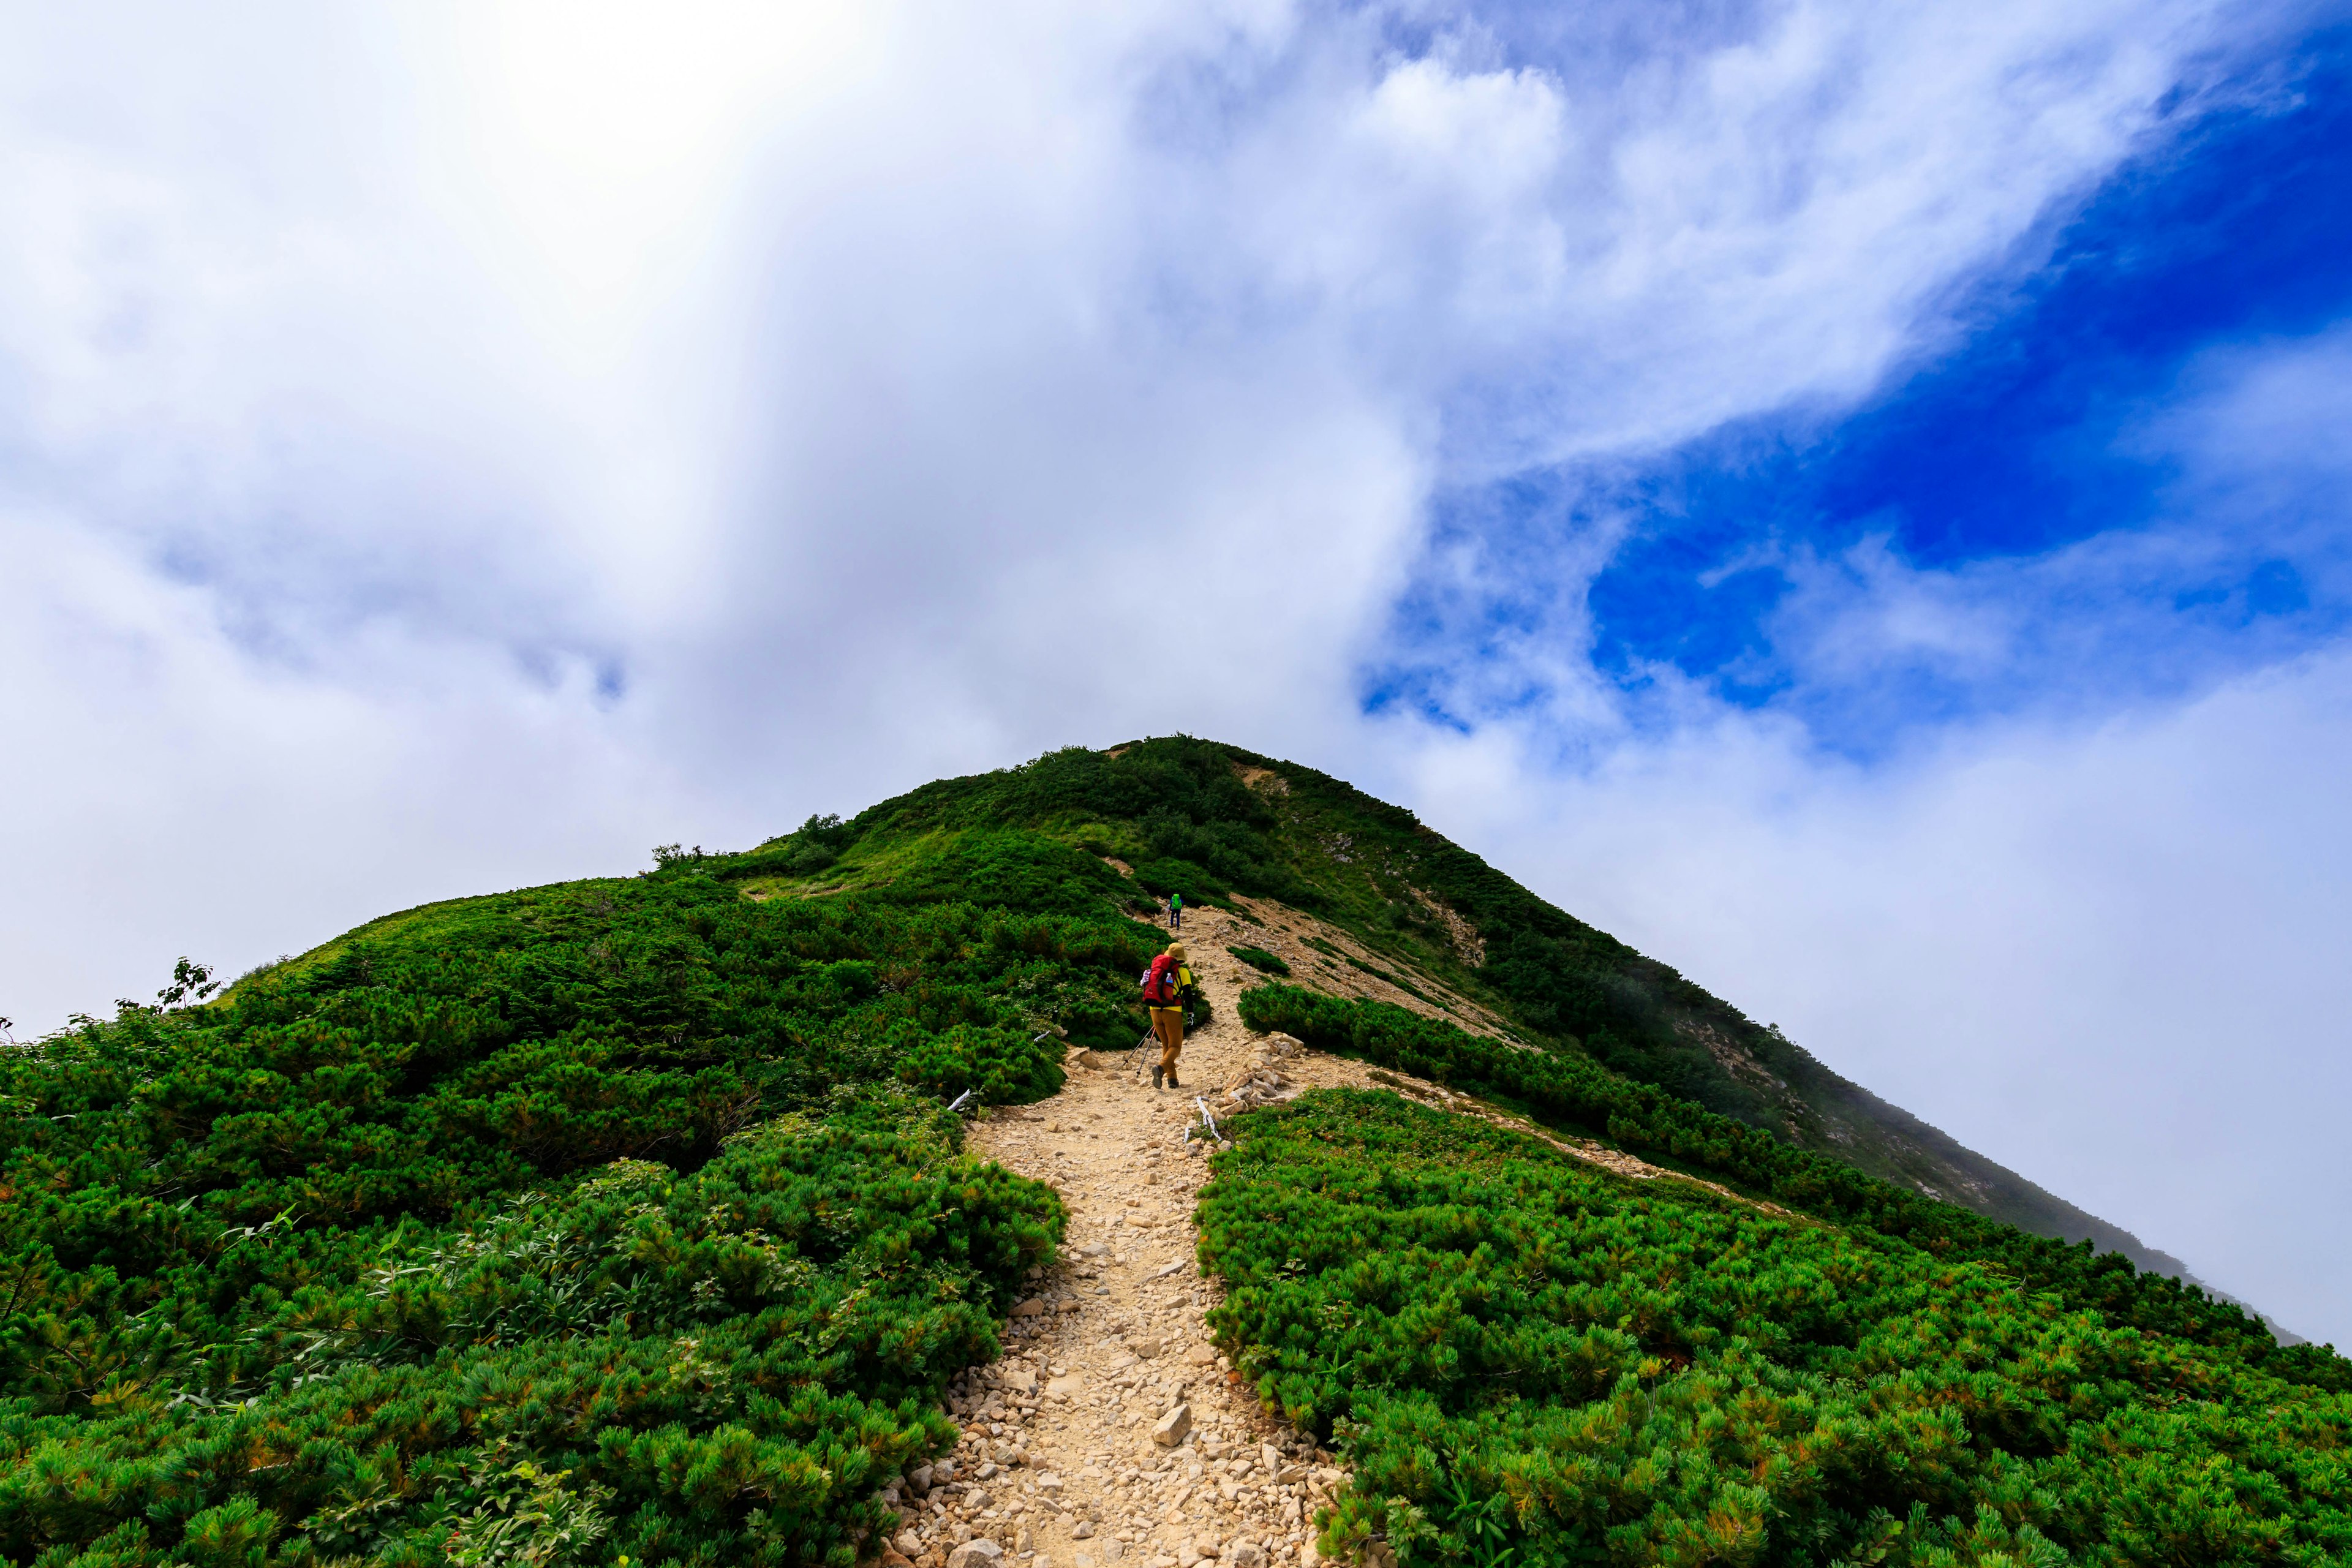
{"type": "Point", "coordinates": [977, 1552]}
{"type": "Point", "coordinates": [1172, 1427]}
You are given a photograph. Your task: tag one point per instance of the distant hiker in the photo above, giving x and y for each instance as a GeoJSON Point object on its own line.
{"type": "Point", "coordinates": [1164, 986]}
{"type": "Point", "coordinates": [1175, 912]}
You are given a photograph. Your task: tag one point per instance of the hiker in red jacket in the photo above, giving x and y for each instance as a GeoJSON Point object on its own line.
{"type": "Point", "coordinates": [1164, 986]}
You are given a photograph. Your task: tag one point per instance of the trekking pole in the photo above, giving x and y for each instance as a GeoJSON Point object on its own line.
{"type": "Point", "coordinates": [1214, 1135]}
{"type": "Point", "coordinates": [957, 1104]}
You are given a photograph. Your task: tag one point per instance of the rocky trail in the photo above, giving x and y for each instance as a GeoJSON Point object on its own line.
{"type": "Point", "coordinates": [1111, 1431]}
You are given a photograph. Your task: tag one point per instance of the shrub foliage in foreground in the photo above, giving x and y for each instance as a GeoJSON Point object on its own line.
{"type": "Point", "coordinates": [1531, 1361]}
{"type": "Point", "coordinates": [370, 1257]}
{"type": "Point", "coordinates": [714, 1368]}
{"type": "Point", "coordinates": [1572, 1092]}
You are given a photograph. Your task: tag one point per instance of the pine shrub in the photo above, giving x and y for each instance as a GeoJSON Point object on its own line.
{"type": "Point", "coordinates": [1528, 1360]}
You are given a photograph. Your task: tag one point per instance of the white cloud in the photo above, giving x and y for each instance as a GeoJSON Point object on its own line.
{"type": "Point", "coordinates": [168, 794]}
{"type": "Point", "coordinates": [2114, 960]}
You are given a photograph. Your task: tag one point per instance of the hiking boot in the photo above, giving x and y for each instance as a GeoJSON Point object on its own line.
{"type": "Point", "coordinates": [1171, 1079]}
{"type": "Point", "coordinates": [1156, 1073]}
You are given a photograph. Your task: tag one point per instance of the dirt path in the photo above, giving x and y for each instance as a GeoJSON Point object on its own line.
{"type": "Point", "coordinates": [1067, 1450]}
{"type": "Point", "coordinates": [1111, 1431]}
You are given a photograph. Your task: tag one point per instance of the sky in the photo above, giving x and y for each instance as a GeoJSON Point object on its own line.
{"type": "Point", "coordinates": [1853, 498]}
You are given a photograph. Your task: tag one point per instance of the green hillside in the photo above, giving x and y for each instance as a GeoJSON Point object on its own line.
{"type": "Point", "coordinates": [621, 1222]}
{"type": "Point", "coordinates": [1180, 812]}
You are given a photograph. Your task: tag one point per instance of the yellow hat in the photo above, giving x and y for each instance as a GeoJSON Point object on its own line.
{"type": "Point", "coordinates": [1176, 950]}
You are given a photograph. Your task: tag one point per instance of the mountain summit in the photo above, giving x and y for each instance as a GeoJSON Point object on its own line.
{"type": "Point", "coordinates": [1417, 921]}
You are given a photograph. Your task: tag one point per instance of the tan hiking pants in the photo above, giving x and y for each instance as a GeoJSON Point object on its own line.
{"type": "Point", "coordinates": [1168, 1022]}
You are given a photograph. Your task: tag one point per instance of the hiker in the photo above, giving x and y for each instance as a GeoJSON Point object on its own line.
{"type": "Point", "coordinates": [1164, 986]}
{"type": "Point", "coordinates": [1175, 912]}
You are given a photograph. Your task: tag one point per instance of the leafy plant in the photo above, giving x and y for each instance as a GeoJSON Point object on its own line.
{"type": "Point", "coordinates": [527, 1516]}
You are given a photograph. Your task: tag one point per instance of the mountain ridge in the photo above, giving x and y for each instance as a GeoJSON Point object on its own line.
{"type": "Point", "coordinates": [1360, 854]}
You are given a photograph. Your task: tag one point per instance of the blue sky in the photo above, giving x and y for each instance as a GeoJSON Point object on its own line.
{"type": "Point", "coordinates": [2032, 424]}
{"type": "Point", "coordinates": [1850, 497]}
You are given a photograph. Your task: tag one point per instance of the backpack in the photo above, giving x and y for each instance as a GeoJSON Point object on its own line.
{"type": "Point", "coordinates": [1159, 982]}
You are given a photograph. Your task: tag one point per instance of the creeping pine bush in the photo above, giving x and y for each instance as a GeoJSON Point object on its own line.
{"type": "Point", "coordinates": [611, 1218]}
{"type": "Point", "coordinates": [1257, 958]}
{"type": "Point", "coordinates": [720, 1367]}
{"type": "Point", "coordinates": [1530, 1361]}
{"type": "Point", "coordinates": [1574, 1092]}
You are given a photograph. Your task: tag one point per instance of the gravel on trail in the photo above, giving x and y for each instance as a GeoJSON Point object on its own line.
{"type": "Point", "coordinates": [1111, 1431]}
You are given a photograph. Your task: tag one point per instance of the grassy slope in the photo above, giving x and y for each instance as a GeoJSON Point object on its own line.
{"type": "Point", "coordinates": [611, 1218]}
{"type": "Point", "coordinates": [1181, 811]}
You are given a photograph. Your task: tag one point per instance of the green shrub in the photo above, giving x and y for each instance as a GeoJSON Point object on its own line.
{"type": "Point", "coordinates": [725, 1364]}
{"type": "Point", "coordinates": [1259, 959]}
{"type": "Point", "coordinates": [1003, 1064]}
{"type": "Point", "coordinates": [1573, 1093]}
{"type": "Point", "coordinates": [371, 1257]}
{"type": "Point", "coordinates": [1529, 1360]}
{"type": "Point", "coordinates": [1197, 885]}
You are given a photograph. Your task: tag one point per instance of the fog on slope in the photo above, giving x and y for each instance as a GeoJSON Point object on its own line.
{"type": "Point", "coordinates": [2113, 961]}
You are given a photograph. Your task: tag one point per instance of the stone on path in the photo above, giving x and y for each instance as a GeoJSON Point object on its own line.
{"type": "Point", "coordinates": [977, 1552]}
{"type": "Point", "coordinates": [1172, 1427]}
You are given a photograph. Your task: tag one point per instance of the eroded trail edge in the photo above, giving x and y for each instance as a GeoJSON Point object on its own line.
{"type": "Point", "coordinates": [1111, 1431]}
